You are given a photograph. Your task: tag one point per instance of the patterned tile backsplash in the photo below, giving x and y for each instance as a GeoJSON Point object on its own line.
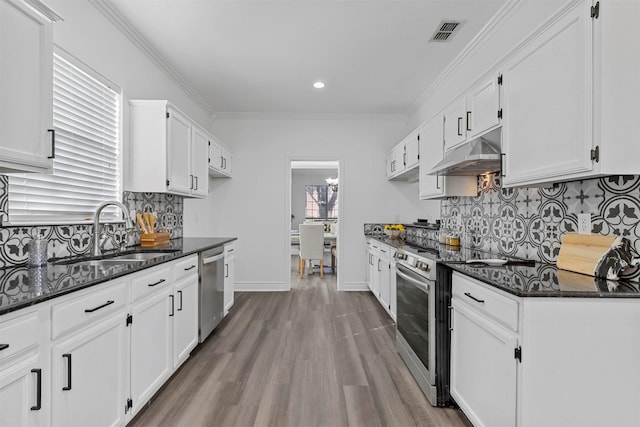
{"type": "Point", "coordinates": [530, 222]}
{"type": "Point", "coordinates": [66, 240]}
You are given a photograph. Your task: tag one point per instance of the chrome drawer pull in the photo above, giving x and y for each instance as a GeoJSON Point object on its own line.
{"type": "Point", "coordinates": [91, 310]}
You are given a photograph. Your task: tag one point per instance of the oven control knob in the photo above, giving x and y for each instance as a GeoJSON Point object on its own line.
{"type": "Point", "coordinates": [422, 266]}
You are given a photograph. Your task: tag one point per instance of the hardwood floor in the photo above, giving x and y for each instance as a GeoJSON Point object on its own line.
{"type": "Point", "coordinates": [309, 357]}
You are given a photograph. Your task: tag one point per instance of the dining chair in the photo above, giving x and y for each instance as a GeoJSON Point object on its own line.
{"type": "Point", "coordinates": [311, 245]}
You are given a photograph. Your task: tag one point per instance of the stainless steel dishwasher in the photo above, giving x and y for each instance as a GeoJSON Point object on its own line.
{"type": "Point", "coordinates": [211, 290]}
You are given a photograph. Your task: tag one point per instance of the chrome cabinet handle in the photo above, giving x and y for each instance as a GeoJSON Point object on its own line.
{"type": "Point", "coordinates": [190, 268]}
{"type": "Point", "coordinates": [172, 311]}
{"type": "Point", "coordinates": [180, 306]}
{"type": "Point", "coordinates": [450, 317]}
{"type": "Point", "coordinates": [4, 346]}
{"type": "Point", "coordinates": [459, 126]}
{"type": "Point", "coordinates": [468, 120]}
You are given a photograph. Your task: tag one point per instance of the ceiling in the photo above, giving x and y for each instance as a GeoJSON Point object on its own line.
{"type": "Point", "coordinates": [242, 56]}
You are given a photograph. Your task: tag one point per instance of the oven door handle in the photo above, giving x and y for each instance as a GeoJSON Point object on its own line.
{"type": "Point", "coordinates": [418, 283]}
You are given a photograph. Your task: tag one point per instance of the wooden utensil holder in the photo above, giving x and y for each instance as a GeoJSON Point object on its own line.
{"type": "Point", "coordinates": [151, 240]}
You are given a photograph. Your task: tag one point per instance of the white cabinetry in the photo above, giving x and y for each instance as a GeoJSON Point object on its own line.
{"type": "Point", "coordinates": [151, 333]}
{"type": "Point", "coordinates": [90, 358]}
{"type": "Point", "coordinates": [567, 110]}
{"type": "Point", "coordinates": [381, 274]}
{"type": "Point", "coordinates": [24, 373]}
{"type": "Point", "coordinates": [432, 149]}
{"type": "Point", "coordinates": [548, 104]}
{"type": "Point", "coordinates": [26, 84]}
{"type": "Point", "coordinates": [402, 161]}
{"type": "Point", "coordinates": [473, 114]}
{"type": "Point", "coordinates": [229, 276]}
{"type": "Point", "coordinates": [519, 346]}
{"type": "Point", "coordinates": [199, 176]}
{"type": "Point", "coordinates": [185, 309]}
{"type": "Point", "coordinates": [482, 353]}
{"type": "Point", "coordinates": [220, 159]}
{"type": "Point", "coordinates": [166, 154]}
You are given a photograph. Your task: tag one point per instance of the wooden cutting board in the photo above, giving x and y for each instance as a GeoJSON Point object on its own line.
{"type": "Point", "coordinates": [581, 252]}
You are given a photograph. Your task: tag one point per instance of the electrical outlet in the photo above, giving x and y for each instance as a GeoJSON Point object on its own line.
{"type": "Point", "coordinates": [584, 223]}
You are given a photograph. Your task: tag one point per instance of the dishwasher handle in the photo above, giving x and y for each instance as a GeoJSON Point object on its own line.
{"type": "Point", "coordinates": [211, 259]}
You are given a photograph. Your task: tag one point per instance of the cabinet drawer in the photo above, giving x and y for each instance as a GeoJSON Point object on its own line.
{"type": "Point", "coordinates": [229, 250]}
{"type": "Point", "coordinates": [184, 267]}
{"type": "Point", "coordinates": [499, 307]}
{"type": "Point", "coordinates": [19, 334]}
{"type": "Point", "coordinates": [149, 281]}
{"type": "Point", "coordinates": [79, 312]}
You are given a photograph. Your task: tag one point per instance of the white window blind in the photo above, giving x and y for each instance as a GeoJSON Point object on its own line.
{"type": "Point", "coordinates": [86, 170]}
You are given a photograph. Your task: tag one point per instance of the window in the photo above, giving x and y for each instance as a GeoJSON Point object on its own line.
{"type": "Point", "coordinates": [321, 202]}
{"type": "Point", "coordinates": [86, 168]}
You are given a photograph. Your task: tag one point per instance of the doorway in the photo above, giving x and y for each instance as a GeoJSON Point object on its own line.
{"type": "Point", "coordinates": [315, 196]}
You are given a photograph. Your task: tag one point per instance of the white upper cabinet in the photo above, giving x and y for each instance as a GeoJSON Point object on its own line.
{"type": "Point", "coordinates": [568, 112]}
{"type": "Point", "coordinates": [432, 149]}
{"type": "Point", "coordinates": [473, 114]}
{"type": "Point", "coordinates": [402, 161]}
{"type": "Point", "coordinates": [199, 176]}
{"type": "Point", "coordinates": [483, 107]}
{"type": "Point", "coordinates": [220, 159]}
{"type": "Point", "coordinates": [547, 130]}
{"type": "Point", "coordinates": [27, 141]}
{"type": "Point", "coordinates": [455, 127]}
{"type": "Point", "coordinates": [168, 152]}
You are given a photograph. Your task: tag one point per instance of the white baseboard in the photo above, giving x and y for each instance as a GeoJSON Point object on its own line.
{"type": "Point", "coordinates": [260, 287]}
{"type": "Point", "coordinates": [354, 286]}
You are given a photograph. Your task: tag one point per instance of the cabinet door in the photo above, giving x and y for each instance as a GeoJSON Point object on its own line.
{"type": "Point", "coordinates": [483, 103]}
{"type": "Point", "coordinates": [185, 320]}
{"type": "Point", "coordinates": [90, 371]}
{"type": "Point", "coordinates": [227, 162]}
{"type": "Point", "coordinates": [199, 162]}
{"type": "Point", "coordinates": [19, 388]}
{"type": "Point", "coordinates": [482, 359]}
{"type": "Point", "coordinates": [215, 157]}
{"type": "Point", "coordinates": [547, 103]}
{"type": "Point", "coordinates": [370, 268]}
{"type": "Point", "coordinates": [431, 147]}
{"type": "Point", "coordinates": [178, 153]}
{"type": "Point", "coordinates": [229, 282]}
{"type": "Point", "coordinates": [384, 282]}
{"type": "Point", "coordinates": [377, 268]}
{"type": "Point", "coordinates": [26, 85]}
{"type": "Point", "coordinates": [151, 346]}
{"type": "Point", "coordinates": [393, 295]}
{"type": "Point", "coordinates": [455, 124]}
{"type": "Point", "coordinates": [412, 150]}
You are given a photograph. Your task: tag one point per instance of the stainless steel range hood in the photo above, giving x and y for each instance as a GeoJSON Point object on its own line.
{"type": "Point", "coordinates": [475, 157]}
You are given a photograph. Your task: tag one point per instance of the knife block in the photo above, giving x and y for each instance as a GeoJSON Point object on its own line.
{"type": "Point", "coordinates": [151, 240]}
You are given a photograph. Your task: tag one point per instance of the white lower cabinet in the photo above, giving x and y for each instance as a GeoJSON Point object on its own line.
{"type": "Point", "coordinates": [151, 342]}
{"type": "Point", "coordinates": [229, 276]}
{"type": "Point", "coordinates": [545, 361]}
{"type": "Point", "coordinates": [483, 369]}
{"type": "Point", "coordinates": [90, 375]}
{"type": "Point", "coordinates": [185, 319]}
{"type": "Point", "coordinates": [24, 371]}
{"type": "Point", "coordinates": [381, 274]}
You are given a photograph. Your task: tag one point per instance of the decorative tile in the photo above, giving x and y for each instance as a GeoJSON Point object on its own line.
{"type": "Point", "coordinates": [530, 222]}
{"type": "Point", "coordinates": [66, 240]}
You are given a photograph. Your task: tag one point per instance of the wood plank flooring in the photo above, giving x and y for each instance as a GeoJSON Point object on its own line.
{"type": "Point", "coordinates": [309, 357]}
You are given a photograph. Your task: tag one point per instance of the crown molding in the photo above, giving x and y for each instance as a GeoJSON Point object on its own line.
{"type": "Point", "coordinates": [115, 17]}
{"type": "Point", "coordinates": [307, 116]}
{"type": "Point", "coordinates": [507, 10]}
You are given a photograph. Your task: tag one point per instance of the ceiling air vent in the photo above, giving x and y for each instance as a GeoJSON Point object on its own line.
{"type": "Point", "coordinates": [445, 31]}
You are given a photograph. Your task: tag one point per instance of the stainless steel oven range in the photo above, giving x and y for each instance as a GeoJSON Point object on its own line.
{"type": "Point", "coordinates": [422, 335]}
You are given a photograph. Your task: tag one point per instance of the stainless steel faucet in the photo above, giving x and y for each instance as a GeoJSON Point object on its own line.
{"type": "Point", "coordinates": [96, 223]}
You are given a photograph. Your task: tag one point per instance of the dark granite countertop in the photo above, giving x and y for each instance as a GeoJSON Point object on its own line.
{"type": "Point", "coordinates": [21, 286]}
{"type": "Point", "coordinates": [538, 280]}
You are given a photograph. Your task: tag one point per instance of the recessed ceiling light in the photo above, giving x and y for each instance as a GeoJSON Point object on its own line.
{"type": "Point", "coordinates": [318, 85]}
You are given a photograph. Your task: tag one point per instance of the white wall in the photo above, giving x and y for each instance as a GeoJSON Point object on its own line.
{"type": "Point", "coordinates": [253, 205]}
{"type": "Point", "coordinates": [86, 34]}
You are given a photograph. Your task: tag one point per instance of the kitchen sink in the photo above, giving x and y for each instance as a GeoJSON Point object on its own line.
{"type": "Point", "coordinates": [128, 257]}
